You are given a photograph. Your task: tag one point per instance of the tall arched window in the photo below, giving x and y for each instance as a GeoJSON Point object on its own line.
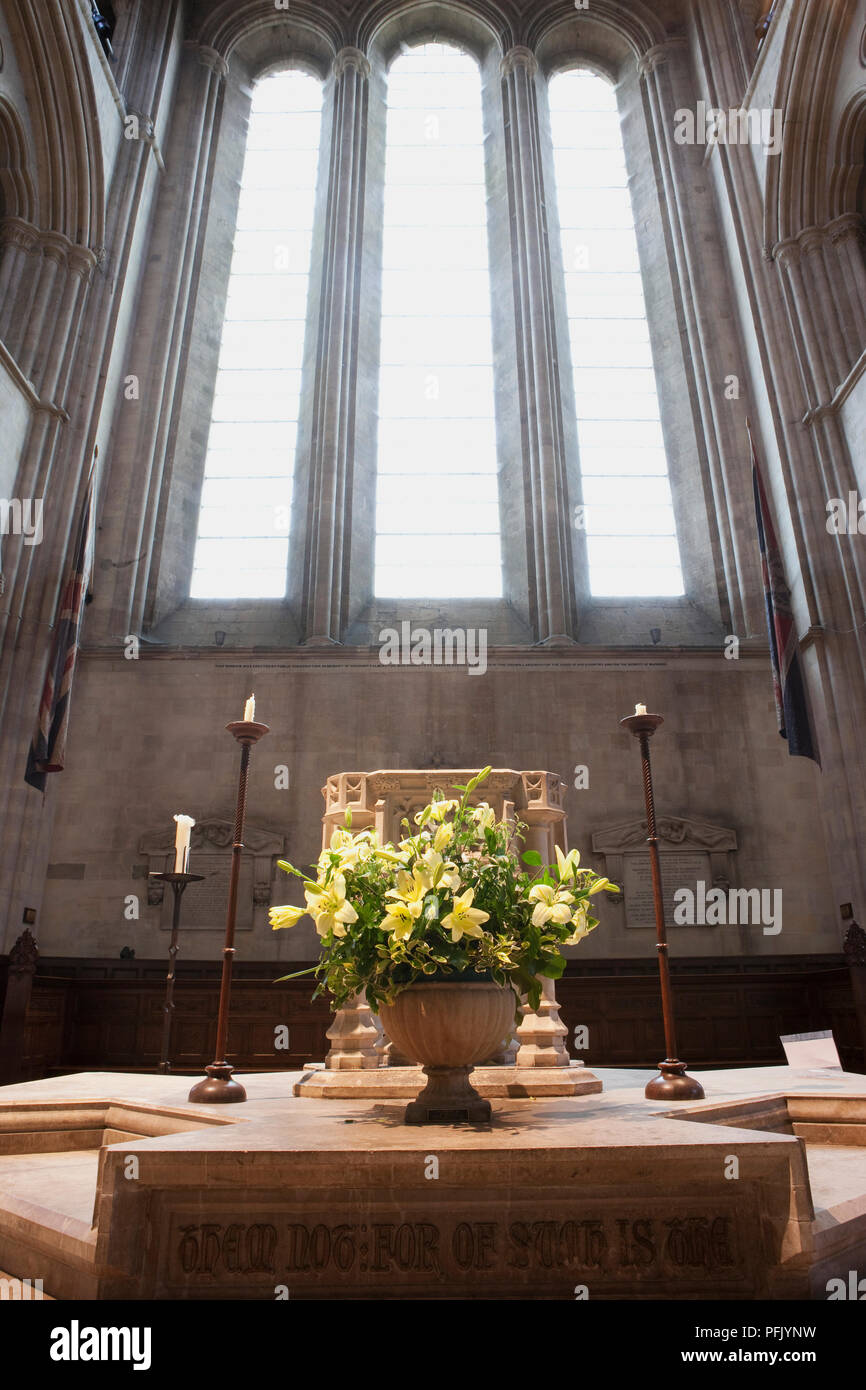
{"type": "Point", "coordinates": [243, 539]}
{"type": "Point", "coordinates": [631, 534]}
{"type": "Point", "coordinates": [437, 504]}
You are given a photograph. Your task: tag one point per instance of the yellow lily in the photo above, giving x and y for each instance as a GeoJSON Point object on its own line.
{"type": "Point", "coordinates": [464, 920]}
{"type": "Point", "coordinates": [443, 837]}
{"type": "Point", "coordinates": [329, 907]}
{"type": "Point", "coordinates": [285, 916]}
{"type": "Point", "coordinates": [411, 889]}
{"type": "Point", "coordinates": [603, 885]}
{"type": "Point", "coordinates": [551, 904]}
{"type": "Point", "coordinates": [581, 929]}
{"type": "Point", "coordinates": [400, 920]}
{"type": "Point", "coordinates": [568, 864]}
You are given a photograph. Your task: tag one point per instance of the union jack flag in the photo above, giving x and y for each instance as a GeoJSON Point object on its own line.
{"type": "Point", "coordinates": [48, 748]}
{"type": "Point", "coordinates": [792, 704]}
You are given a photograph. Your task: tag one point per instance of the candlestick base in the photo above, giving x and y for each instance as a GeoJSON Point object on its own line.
{"type": "Point", "coordinates": [218, 1087]}
{"type": "Point", "coordinates": [674, 1084]}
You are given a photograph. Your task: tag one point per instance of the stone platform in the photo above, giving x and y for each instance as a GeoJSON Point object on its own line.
{"type": "Point", "coordinates": [113, 1186]}
{"type": "Point", "coordinates": [404, 1083]}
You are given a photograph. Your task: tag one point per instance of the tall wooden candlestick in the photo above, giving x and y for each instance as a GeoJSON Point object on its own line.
{"type": "Point", "coordinates": [673, 1083]}
{"type": "Point", "coordinates": [218, 1085]}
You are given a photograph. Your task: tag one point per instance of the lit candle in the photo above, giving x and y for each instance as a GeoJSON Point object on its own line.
{"type": "Point", "coordinates": [181, 843]}
{"type": "Point", "coordinates": [250, 710]}
{"type": "Point", "coordinates": [640, 709]}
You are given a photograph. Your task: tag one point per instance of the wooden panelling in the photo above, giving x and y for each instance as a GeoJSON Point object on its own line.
{"type": "Point", "coordinates": [97, 1014]}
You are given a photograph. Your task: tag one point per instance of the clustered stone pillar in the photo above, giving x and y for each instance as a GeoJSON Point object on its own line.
{"type": "Point", "coordinates": [326, 561]}
{"type": "Point", "coordinates": [356, 1038]}
{"type": "Point", "coordinates": [540, 1037]}
{"type": "Point", "coordinates": [133, 529]}
{"type": "Point", "coordinates": [551, 567]}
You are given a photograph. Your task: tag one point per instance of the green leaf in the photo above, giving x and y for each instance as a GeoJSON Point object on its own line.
{"type": "Point", "coordinates": [531, 856]}
{"type": "Point", "coordinates": [297, 975]}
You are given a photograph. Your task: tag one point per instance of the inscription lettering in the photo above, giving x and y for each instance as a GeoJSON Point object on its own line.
{"type": "Point", "coordinates": [666, 1247]}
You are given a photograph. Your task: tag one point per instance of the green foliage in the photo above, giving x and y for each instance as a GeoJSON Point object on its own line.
{"type": "Point", "coordinates": [452, 899]}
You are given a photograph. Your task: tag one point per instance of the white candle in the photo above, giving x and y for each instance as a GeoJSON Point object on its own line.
{"type": "Point", "coordinates": [250, 710]}
{"type": "Point", "coordinates": [181, 843]}
{"type": "Point", "coordinates": [640, 709]}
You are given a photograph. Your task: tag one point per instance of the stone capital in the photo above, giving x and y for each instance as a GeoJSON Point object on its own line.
{"type": "Point", "coordinates": [14, 231]}
{"type": "Point", "coordinates": [658, 54]}
{"type": "Point", "coordinates": [211, 58]}
{"type": "Point", "coordinates": [83, 261]}
{"type": "Point", "coordinates": [849, 227]}
{"type": "Point", "coordinates": [519, 57]}
{"type": "Point", "coordinates": [351, 60]}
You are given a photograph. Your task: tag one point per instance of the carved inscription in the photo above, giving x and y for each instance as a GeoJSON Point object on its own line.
{"type": "Point", "coordinates": [679, 1245]}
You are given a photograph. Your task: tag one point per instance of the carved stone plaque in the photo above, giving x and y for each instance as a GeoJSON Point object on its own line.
{"type": "Point", "coordinates": [204, 904]}
{"type": "Point", "coordinates": [679, 870]}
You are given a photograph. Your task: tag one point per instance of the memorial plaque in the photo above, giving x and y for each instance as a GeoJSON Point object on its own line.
{"type": "Point", "coordinates": [204, 904]}
{"type": "Point", "coordinates": [679, 870]}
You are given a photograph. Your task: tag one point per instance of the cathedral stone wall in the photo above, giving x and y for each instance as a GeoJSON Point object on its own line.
{"type": "Point", "coordinates": [150, 741]}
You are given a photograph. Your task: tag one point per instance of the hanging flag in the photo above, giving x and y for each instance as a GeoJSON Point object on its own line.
{"type": "Point", "coordinates": [48, 749]}
{"type": "Point", "coordinates": [792, 705]}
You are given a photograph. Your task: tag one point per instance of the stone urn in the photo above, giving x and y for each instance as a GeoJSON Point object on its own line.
{"type": "Point", "coordinates": [449, 1026]}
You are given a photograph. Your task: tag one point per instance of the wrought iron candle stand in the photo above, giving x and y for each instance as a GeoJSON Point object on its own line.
{"type": "Point", "coordinates": [178, 884]}
{"type": "Point", "coordinates": [673, 1083]}
{"type": "Point", "coordinates": [218, 1085]}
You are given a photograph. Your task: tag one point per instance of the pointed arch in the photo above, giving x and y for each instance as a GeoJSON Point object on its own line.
{"type": "Point", "coordinates": [16, 180]}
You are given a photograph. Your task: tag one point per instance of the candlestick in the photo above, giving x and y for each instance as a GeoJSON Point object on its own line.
{"type": "Point", "coordinates": [181, 843]}
{"type": "Point", "coordinates": [219, 1085]}
{"type": "Point", "coordinates": [250, 710]}
{"type": "Point", "coordinates": [673, 1083]}
{"type": "Point", "coordinates": [178, 881]}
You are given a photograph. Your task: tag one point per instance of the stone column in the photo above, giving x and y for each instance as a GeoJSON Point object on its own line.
{"type": "Point", "coordinates": [163, 329]}
{"type": "Point", "coordinates": [710, 345]}
{"type": "Point", "coordinates": [329, 483]}
{"type": "Point", "coordinates": [541, 1035]}
{"type": "Point", "coordinates": [357, 1040]}
{"type": "Point", "coordinates": [353, 1036]}
{"type": "Point", "coordinates": [551, 567]}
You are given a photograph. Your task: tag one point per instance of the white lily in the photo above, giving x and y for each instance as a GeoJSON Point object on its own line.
{"type": "Point", "coordinates": [551, 904]}
{"type": "Point", "coordinates": [568, 864]}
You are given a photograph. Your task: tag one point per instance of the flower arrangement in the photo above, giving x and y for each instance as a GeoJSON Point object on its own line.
{"type": "Point", "coordinates": [451, 899]}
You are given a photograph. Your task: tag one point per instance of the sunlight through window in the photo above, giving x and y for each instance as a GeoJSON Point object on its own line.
{"type": "Point", "coordinates": [631, 534]}
{"type": "Point", "coordinates": [437, 500]}
{"type": "Point", "coordinates": [243, 536]}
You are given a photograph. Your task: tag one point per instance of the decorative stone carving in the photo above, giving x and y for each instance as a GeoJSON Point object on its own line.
{"type": "Point", "coordinates": [354, 1037]}
{"type": "Point", "coordinates": [855, 946]}
{"type": "Point", "coordinates": [541, 1036]}
{"type": "Point", "coordinates": [210, 847]}
{"type": "Point", "coordinates": [695, 850]}
{"type": "Point", "coordinates": [519, 56]}
{"type": "Point", "coordinates": [24, 955]}
{"type": "Point", "coordinates": [351, 58]}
